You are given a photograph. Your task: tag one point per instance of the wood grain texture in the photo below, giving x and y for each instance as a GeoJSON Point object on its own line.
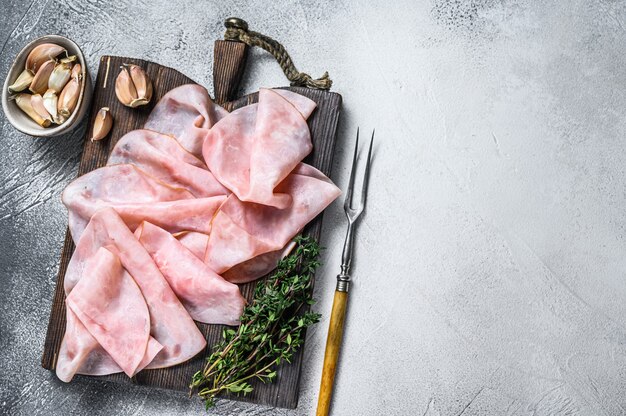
{"type": "Point", "coordinates": [331, 354]}
{"type": "Point", "coordinates": [229, 64]}
{"type": "Point", "coordinates": [323, 125]}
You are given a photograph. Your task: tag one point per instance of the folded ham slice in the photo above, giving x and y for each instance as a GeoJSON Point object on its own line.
{"type": "Point", "coordinates": [194, 242]}
{"type": "Point", "coordinates": [244, 272]}
{"type": "Point", "coordinates": [113, 185]}
{"type": "Point", "coordinates": [253, 149]}
{"type": "Point", "coordinates": [186, 113]}
{"type": "Point", "coordinates": [207, 297]}
{"type": "Point", "coordinates": [107, 328]}
{"type": "Point", "coordinates": [110, 305]}
{"type": "Point", "coordinates": [257, 266]}
{"type": "Point", "coordinates": [163, 158]}
{"type": "Point", "coordinates": [170, 324]}
{"type": "Point", "coordinates": [244, 230]}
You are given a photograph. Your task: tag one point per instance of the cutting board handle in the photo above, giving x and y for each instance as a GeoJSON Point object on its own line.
{"type": "Point", "coordinates": [229, 62]}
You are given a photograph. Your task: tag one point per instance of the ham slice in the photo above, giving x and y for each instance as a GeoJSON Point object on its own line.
{"type": "Point", "coordinates": [111, 307]}
{"type": "Point", "coordinates": [174, 216]}
{"type": "Point", "coordinates": [113, 185]}
{"type": "Point", "coordinates": [244, 230]}
{"type": "Point", "coordinates": [164, 159]}
{"type": "Point", "coordinates": [194, 242]}
{"type": "Point", "coordinates": [207, 297]}
{"type": "Point", "coordinates": [186, 113]}
{"type": "Point", "coordinates": [170, 324]}
{"type": "Point", "coordinates": [257, 266]}
{"type": "Point", "coordinates": [254, 148]}
{"type": "Point", "coordinates": [106, 317]}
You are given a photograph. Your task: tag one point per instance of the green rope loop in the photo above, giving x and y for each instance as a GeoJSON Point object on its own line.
{"type": "Point", "coordinates": [237, 30]}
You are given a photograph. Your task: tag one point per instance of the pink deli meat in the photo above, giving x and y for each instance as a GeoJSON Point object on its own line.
{"type": "Point", "coordinates": [164, 159]}
{"type": "Point", "coordinates": [207, 296]}
{"type": "Point", "coordinates": [110, 186]}
{"type": "Point", "coordinates": [110, 305]}
{"type": "Point", "coordinates": [213, 199]}
{"type": "Point", "coordinates": [99, 326]}
{"type": "Point", "coordinates": [254, 148]}
{"type": "Point", "coordinates": [170, 324]}
{"type": "Point", "coordinates": [243, 230]}
{"type": "Point", "coordinates": [186, 113]}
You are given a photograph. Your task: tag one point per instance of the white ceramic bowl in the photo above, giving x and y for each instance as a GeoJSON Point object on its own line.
{"type": "Point", "coordinates": [19, 119]}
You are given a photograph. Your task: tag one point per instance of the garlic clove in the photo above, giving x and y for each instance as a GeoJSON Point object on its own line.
{"type": "Point", "coordinates": [77, 72]}
{"type": "Point", "coordinates": [50, 100]}
{"type": "Point", "coordinates": [23, 101]}
{"type": "Point", "coordinates": [41, 54]}
{"type": "Point", "coordinates": [69, 60]}
{"type": "Point", "coordinates": [60, 75]}
{"type": "Point", "coordinates": [22, 82]}
{"type": "Point", "coordinates": [125, 88]}
{"type": "Point", "coordinates": [68, 98]}
{"type": "Point", "coordinates": [59, 119]}
{"type": "Point", "coordinates": [143, 85]}
{"type": "Point", "coordinates": [36, 101]}
{"type": "Point", "coordinates": [39, 85]}
{"type": "Point", "coordinates": [102, 124]}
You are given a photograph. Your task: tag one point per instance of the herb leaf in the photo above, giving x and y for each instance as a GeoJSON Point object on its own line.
{"type": "Point", "coordinates": [271, 331]}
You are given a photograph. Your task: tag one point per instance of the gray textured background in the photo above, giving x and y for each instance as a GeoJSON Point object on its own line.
{"type": "Point", "coordinates": [490, 275]}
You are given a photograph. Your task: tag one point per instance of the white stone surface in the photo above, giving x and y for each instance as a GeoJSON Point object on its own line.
{"type": "Point", "coordinates": [490, 275]}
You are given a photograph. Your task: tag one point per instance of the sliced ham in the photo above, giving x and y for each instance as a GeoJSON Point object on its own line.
{"type": "Point", "coordinates": [257, 266]}
{"type": "Point", "coordinates": [228, 147]}
{"type": "Point", "coordinates": [244, 272]}
{"type": "Point", "coordinates": [207, 297]}
{"type": "Point", "coordinates": [170, 324]}
{"type": "Point", "coordinates": [111, 185]}
{"type": "Point", "coordinates": [174, 216]}
{"type": "Point", "coordinates": [164, 159]}
{"type": "Point", "coordinates": [186, 113]}
{"type": "Point", "coordinates": [131, 297]}
{"type": "Point", "coordinates": [253, 149]}
{"type": "Point", "coordinates": [98, 326]}
{"type": "Point", "coordinates": [244, 230]}
{"type": "Point", "coordinates": [303, 104]}
{"type": "Point", "coordinates": [110, 305]}
{"type": "Point", "coordinates": [194, 242]}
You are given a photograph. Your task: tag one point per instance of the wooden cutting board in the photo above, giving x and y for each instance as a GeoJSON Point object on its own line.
{"type": "Point", "coordinates": [230, 59]}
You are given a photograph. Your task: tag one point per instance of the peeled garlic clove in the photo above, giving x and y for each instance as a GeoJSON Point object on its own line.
{"type": "Point", "coordinates": [125, 88]}
{"type": "Point", "coordinates": [60, 75]}
{"type": "Point", "coordinates": [41, 54]}
{"type": "Point", "coordinates": [102, 125]}
{"type": "Point", "coordinates": [23, 101]}
{"type": "Point", "coordinates": [39, 85]}
{"type": "Point", "coordinates": [68, 98]}
{"type": "Point", "coordinates": [36, 101]}
{"type": "Point", "coordinates": [50, 100]}
{"type": "Point", "coordinates": [143, 85]}
{"type": "Point", "coordinates": [22, 82]}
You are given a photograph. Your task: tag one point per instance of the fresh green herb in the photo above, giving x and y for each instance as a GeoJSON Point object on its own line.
{"type": "Point", "coordinates": [271, 331]}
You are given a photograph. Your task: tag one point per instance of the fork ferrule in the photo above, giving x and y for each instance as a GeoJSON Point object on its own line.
{"type": "Point", "coordinates": [343, 282]}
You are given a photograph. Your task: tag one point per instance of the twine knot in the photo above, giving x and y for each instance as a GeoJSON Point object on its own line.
{"type": "Point", "coordinates": [237, 30]}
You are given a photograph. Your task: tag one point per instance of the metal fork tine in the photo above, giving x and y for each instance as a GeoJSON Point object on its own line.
{"type": "Point", "coordinates": [366, 175]}
{"type": "Point", "coordinates": [347, 205]}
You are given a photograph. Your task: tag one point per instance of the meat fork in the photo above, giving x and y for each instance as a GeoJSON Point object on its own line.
{"type": "Point", "coordinates": [338, 314]}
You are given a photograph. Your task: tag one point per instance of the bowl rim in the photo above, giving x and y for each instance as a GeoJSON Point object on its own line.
{"type": "Point", "coordinates": [33, 129]}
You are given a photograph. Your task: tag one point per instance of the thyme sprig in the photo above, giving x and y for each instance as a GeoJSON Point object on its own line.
{"type": "Point", "coordinates": [271, 331]}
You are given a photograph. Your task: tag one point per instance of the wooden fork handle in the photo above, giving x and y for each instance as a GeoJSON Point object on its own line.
{"type": "Point", "coordinates": [333, 344]}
